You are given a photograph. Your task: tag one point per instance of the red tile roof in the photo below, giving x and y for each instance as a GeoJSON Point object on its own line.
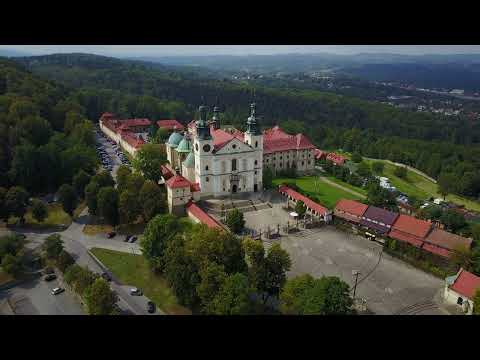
{"type": "Point", "coordinates": [222, 137]}
{"type": "Point", "coordinates": [410, 225]}
{"type": "Point", "coordinates": [202, 216]}
{"type": "Point", "coordinates": [337, 159]}
{"type": "Point", "coordinates": [135, 122]}
{"type": "Point", "coordinates": [276, 139]}
{"type": "Point", "coordinates": [436, 250]}
{"type": "Point", "coordinates": [166, 172]}
{"type": "Point", "coordinates": [131, 139]}
{"type": "Point", "coordinates": [351, 207]}
{"type": "Point", "coordinates": [412, 240]}
{"type": "Point", "coordinates": [319, 154]}
{"type": "Point", "coordinates": [178, 181]}
{"type": "Point", "coordinates": [195, 187]}
{"type": "Point", "coordinates": [308, 202]}
{"type": "Point", "coordinates": [447, 240]}
{"type": "Point", "coordinates": [466, 284]}
{"type": "Point", "coordinates": [170, 124]}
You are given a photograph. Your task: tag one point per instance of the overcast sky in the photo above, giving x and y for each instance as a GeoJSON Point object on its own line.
{"type": "Point", "coordinates": [166, 50]}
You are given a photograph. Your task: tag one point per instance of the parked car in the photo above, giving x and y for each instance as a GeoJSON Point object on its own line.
{"type": "Point", "coordinates": [150, 307]}
{"type": "Point", "coordinates": [106, 276]}
{"type": "Point", "coordinates": [135, 292]}
{"type": "Point", "coordinates": [57, 291]}
{"type": "Point", "coordinates": [111, 234]}
{"type": "Point", "coordinates": [50, 277]}
{"type": "Point", "coordinates": [127, 238]}
{"type": "Point", "coordinates": [133, 239]}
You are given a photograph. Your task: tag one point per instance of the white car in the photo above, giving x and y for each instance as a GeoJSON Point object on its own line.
{"type": "Point", "coordinates": [135, 291]}
{"type": "Point", "coordinates": [57, 291]}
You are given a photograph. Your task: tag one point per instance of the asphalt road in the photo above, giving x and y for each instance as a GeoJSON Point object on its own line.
{"type": "Point", "coordinates": [34, 298]}
{"type": "Point", "coordinates": [116, 162]}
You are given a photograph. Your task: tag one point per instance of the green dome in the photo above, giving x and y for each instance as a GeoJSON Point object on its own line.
{"type": "Point", "coordinates": [185, 146]}
{"type": "Point", "coordinates": [189, 161]}
{"type": "Point", "coordinates": [174, 139]}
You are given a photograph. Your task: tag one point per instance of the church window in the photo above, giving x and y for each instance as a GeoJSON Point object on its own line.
{"type": "Point", "coordinates": [207, 179]}
{"type": "Point", "coordinates": [303, 163]}
{"type": "Point", "coordinates": [234, 164]}
{"type": "Point", "coordinates": [255, 172]}
{"type": "Point", "coordinates": [206, 168]}
{"type": "Point", "coordinates": [256, 162]}
{"type": "Point", "coordinates": [234, 146]}
{"type": "Point", "coordinates": [256, 143]}
{"type": "Point", "coordinates": [244, 164]}
{"type": "Point", "coordinates": [280, 157]}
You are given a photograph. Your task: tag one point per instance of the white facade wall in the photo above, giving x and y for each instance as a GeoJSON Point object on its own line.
{"type": "Point", "coordinates": [451, 297]}
{"type": "Point", "coordinates": [177, 199]}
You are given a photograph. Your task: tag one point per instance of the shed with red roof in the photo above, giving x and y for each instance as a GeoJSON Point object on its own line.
{"type": "Point", "coordinates": [460, 290]}
{"type": "Point", "coordinates": [350, 210]}
{"type": "Point", "coordinates": [378, 219]}
{"type": "Point", "coordinates": [443, 243]}
{"type": "Point", "coordinates": [200, 216]}
{"type": "Point", "coordinates": [313, 208]}
{"type": "Point", "coordinates": [411, 230]}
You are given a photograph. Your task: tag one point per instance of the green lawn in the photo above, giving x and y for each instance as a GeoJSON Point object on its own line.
{"type": "Point", "coordinates": [133, 270]}
{"type": "Point", "coordinates": [327, 194]}
{"type": "Point", "coordinates": [347, 185]}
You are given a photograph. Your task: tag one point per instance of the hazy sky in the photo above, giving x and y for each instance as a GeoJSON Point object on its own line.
{"type": "Point", "coordinates": [165, 50]}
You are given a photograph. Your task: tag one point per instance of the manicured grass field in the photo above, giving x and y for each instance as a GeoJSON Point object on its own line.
{"type": "Point", "coordinates": [133, 270]}
{"type": "Point", "coordinates": [327, 194]}
{"type": "Point", "coordinates": [347, 185]}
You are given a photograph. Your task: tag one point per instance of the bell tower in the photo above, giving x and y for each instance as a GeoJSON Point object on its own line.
{"type": "Point", "coordinates": [202, 149]}
{"type": "Point", "coordinates": [254, 138]}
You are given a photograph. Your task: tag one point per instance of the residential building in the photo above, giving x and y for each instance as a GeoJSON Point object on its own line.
{"type": "Point", "coordinates": [350, 210]}
{"type": "Point", "coordinates": [411, 230]}
{"type": "Point", "coordinates": [460, 290]}
{"type": "Point", "coordinates": [314, 209]}
{"type": "Point", "coordinates": [443, 243]}
{"type": "Point", "coordinates": [378, 219]}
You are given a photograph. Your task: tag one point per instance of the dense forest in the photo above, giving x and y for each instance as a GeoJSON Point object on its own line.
{"type": "Point", "coordinates": [45, 137]}
{"type": "Point", "coordinates": [433, 143]}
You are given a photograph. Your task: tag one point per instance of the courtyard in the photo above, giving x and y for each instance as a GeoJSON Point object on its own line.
{"type": "Point", "coordinates": [388, 285]}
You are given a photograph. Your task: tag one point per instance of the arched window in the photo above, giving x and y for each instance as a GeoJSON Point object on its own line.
{"type": "Point", "coordinates": [244, 164]}
{"type": "Point", "coordinates": [256, 162]}
{"type": "Point", "coordinates": [234, 164]}
{"type": "Point", "coordinates": [256, 143]}
{"type": "Point", "coordinates": [206, 168]}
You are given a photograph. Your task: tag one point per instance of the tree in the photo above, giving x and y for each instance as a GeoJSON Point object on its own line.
{"type": "Point", "coordinates": [300, 208]}
{"type": "Point", "coordinates": [53, 246]}
{"type": "Point", "coordinates": [293, 292]}
{"type": "Point", "coordinates": [181, 271]}
{"type": "Point", "coordinates": [463, 257]}
{"type": "Point", "coordinates": [99, 298]}
{"type": "Point", "coordinates": [79, 278]}
{"type": "Point", "coordinates": [156, 236]}
{"type": "Point", "coordinates": [380, 197]}
{"type": "Point", "coordinates": [12, 264]}
{"type": "Point", "coordinates": [328, 296]}
{"type": "Point", "coordinates": [134, 183]}
{"type": "Point", "coordinates": [277, 263]}
{"type": "Point", "coordinates": [212, 277]}
{"type": "Point", "coordinates": [152, 199]}
{"type": "Point", "coordinates": [122, 174]}
{"type": "Point", "coordinates": [39, 210]}
{"type": "Point", "coordinates": [267, 178]}
{"type": "Point", "coordinates": [148, 160]}
{"type": "Point", "coordinates": [107, 202]}
{"type": "Point", "coordinates": [91, 192]}
{"type": "Point", "coordinates": [161, 136]}
{"type": "Point", "coordinates": [452, 220]}
{"type": "Point", "coordinates": [377, 167]}
{"type": "Point", "coordinates": [446, 184]}
{"type": "Point", "coordinates": [363, 170]}
{"type": "Point", "coordinates": [16, 201]}
{"type": "Point", "coordinates": [80, 182]}
{"type": "Point", "coordinates": [235, 220]}
{"type": "Point", "coordinates": [356, 157]}
{"type": "Point", "coordinates": [400, 171]}
{"type": "Point", "coordinates": [476, 303]}
{"type": "Point", "coordinates": [103, 179]}
{"type": "Point", "coordinates": [233, 296]}
{"type": "Point", "coordinates": [68, 198]}
{"type": "Point", "coordinates": [3, 206]}
{"type": "Point", "coordinates": [64, 261]}
{"type": "Point", "coordinates": [129, 207]}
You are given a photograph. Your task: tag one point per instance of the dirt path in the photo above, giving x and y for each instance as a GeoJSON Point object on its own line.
{"type": "Point", "coordinates": [421, 173]}
{"type": "Point", "coordinates": [324, 179]}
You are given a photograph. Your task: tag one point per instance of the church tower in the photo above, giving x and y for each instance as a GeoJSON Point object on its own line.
{"type": "Point", "coordinates": [254, 138]}
{"type": "Point", "coordinates": [203, 147]}
{"type": "Point", "coordinates": [216, 118]}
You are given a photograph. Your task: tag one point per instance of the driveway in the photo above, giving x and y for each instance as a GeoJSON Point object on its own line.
{"type": "Point", "coordinates": [388, 285]}
{"type": "Point", "coordinates": [116, 162]}
{"type": "Point", "coordinates": [34, 298]}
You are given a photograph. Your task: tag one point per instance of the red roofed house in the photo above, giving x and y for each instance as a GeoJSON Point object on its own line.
{"type": "Point", "coordinates": [460, 290]}
{"type": "Point", "coordinates": [170, 125]}
{"type": "Point", "coordinates": [199, 216]}
{"type": "Point", "coordinates": [411, 230]}
{"type": "Point", "coordinates": [443, 243]}
{"type": "Point", "coordinates": [129, 134]}
{"type": "Point", "coordinates": [350, 210]}
{"type": "Point", "coordinates": [336, 159]}
{"type": "Point", "coordinates": [313, 208]}
{"type": "Point", "coordinates": [319, 154]}
{"type": "Point", "coordinates": [180, 192]}
{"type": "Point", "coordinates": [282, 151]}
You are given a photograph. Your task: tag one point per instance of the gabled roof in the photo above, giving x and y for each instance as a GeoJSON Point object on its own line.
{"type": "Point", "coordinates": [447, 240]}
{"type": "Point", "coordinates": [466, 284]}
{"type": "Point", "coordinates": [319, 154]}
{"type": "Point", "coordinates": [170, 124]}
{"type": "Point", "coordinates": [166, 172]}
{"type": "Point", "coordinates": [131, 139]}
{"type": "Point", "coordinates": [202, 216]}
{"type": "Point", "coordinates": [351, 207]}
{"type": "Point", "coordinates": [275, 139]}
{"type": "Point", "coordinates": [410, 225]}
{"type": "Point", "coordinates": [380, 219]}
{"type": "Point", "coordinates": [337, 159]}
{"type": "Point", "coordinates": [178, 181]}
{"type": "Point", "coordinates": [308, 202]}
{"type": "Point", "coordinates": [221, 137]}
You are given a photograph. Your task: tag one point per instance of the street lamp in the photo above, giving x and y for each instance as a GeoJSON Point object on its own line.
{"type": "Point", "coordinates": [355, 273]}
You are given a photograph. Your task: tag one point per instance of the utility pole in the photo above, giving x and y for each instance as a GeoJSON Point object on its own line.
{"type": "Point", "coordinates": [355, 273]}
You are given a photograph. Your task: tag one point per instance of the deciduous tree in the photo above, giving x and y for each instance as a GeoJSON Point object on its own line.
{"type": "Point", "coordinates": [107, 202]}
{"type": "Point", "coordinates": [53, 246]}
{"type": "Point", "coordinates": [233, 296]}
{"type": "Point", "coordinates": [148, 160]}
{"type": "Point", "coordinates": [68, 198]}
{"type": "Point", "coordinates": [99, 298]}
{"type": "Point", "coordinates": [235, 220]}
{"type": "Point", "coordinates": [39, 210]}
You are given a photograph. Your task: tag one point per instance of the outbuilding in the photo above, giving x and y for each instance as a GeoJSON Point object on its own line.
{"type": "Point", "coordinates": [460, 290]}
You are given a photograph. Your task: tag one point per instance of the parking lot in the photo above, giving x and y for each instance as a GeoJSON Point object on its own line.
{"type": "Point", "coordinates": [389, 285]}
{"type": "Point", "coordinates": [35, 298]}
{"type": "Point", "coordinates": [110, 154]}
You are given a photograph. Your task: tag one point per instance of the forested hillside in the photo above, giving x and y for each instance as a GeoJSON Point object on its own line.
{"type": "Point", "coordinates": [435, 144]}
{"type": "Point", "coordinates": [45, 137]}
